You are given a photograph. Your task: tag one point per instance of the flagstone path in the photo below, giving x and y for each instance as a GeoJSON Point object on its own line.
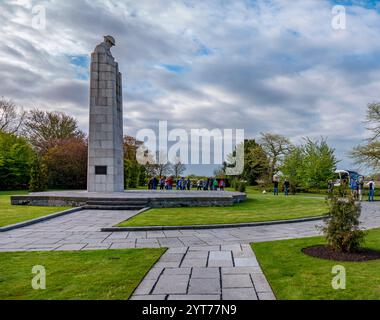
{"type": "Point", "coordinates": [199, 264]}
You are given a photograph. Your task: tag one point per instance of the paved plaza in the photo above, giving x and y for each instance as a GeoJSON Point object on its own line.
{"type": "Point", "coordinates": [199, 264]}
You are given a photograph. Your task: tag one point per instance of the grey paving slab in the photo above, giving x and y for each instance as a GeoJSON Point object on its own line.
{"type": "Point", "coordinates": [123, 245]}
{"type": "Point", "coordinates": [245, 262]}
{"type": "Point", "coordinates": [239, 294]}
{"type": "Point", "coordinates": [237, 281]}
{"type": "Point", "coordinates": [145, 287]}
{"type": "Point", "coordinates": [203, 248]}
{"type": "Point", "coordinates": [155, 234]}
{"type": "Point", "coordinates": [241, 270]}
{"type": "Point", "coordinates": [96, 247]}
{"type": "Point", "coordinates": [172, 284]}
{"type": "Point", "coordinates": [205, 273]}
{"type": "Point", "coordinates": [172, 257]}
{"type": "Point", "coordinates": [197, 255]}
{"type": "Point", "coordinates": [177, 250]}
{"type": "Point", "coordinates": [177, 271]}
{"type": "Point", "coordinates": [117, 235]}
{"type": "Point", "coordinates": [194, 263]}
{"type": "Point", "coordinates": [154, 273]}
{"type": "Point", "coordinates": [194, 297]}
{"type": "Point", "coordinates": [170, 242]}
{"type": "Point", "coordinates": [70, 247]}
{"type": "Point", "coordinates": [204, 286]}
{"type": "Point", "coordinates": [260, 282]}
{"type": "Point", "coordinates": [147, 243]}
{"type": "Point", "coordinates": [220, 255]}
{"type": "Point", "coordinates": [148, 297]}
{"type": "Point", "coordinates": [220, 259]}
{"type": "Point", "coordinates": [166, 264]}
{"type": "Point", "coordinates": [266, 296]}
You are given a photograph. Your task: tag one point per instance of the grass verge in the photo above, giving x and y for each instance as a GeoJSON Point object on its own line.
{"type": "Point", "coordinates": [77, 275]}
{"type": "Point", "coordinates": [258, 207]}
{"type": "Point", "coordinates": [296, 276]}
{"type": "Point", "coordinates": [13, 214]}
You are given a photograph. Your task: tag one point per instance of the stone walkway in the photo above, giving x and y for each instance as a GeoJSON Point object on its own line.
{"type": "Point", "coordinates": [228, 272]}
{"type": "Point", "coordinates": [199, 263]}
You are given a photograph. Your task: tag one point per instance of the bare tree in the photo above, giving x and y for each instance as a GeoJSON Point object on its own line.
{"type": "Point", "coordinates": [163, 166]}
{"type": "Point", "coordinates": [368, 154]}
{"type": "Point", "coordinates": [151, 169]}
{"type": "Point", "coordinates": [45, 129]}
{"type": "Point", "coordinates": [11, 117]}
{"type": "Point", "coordinates": [177, 167]}
{"type": "Point", "coordinates": [373, 120]}
{"type": "Point", "coordinates": [276, 147]}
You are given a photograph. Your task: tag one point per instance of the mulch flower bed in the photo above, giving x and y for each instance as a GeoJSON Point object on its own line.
{"type": "Point", "coordinates": [329, 253]}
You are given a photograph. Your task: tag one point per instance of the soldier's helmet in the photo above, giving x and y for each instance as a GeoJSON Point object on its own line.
{"type": "Point", "coordinates": [110, 39]}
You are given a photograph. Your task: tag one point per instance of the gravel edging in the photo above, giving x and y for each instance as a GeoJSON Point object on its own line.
{"type": "Point", "coordinates": [212, 226]}
{"type": "Point", "coordinates": [40, 219]}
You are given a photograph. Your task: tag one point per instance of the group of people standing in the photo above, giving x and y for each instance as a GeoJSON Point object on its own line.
{"type": "Point", "coordinates": [357, 188]}
{"type": "Point", "coordinates": [285, 185]}
{"type": "Point", "coordinates": [167, 183]}
{"type": "Point", "coordinates": [162, 183]}
{"type": "Point", "coordinates": [211, 184]}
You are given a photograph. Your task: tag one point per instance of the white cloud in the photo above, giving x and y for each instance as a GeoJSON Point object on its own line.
{"type": "Point", "coordinates": [261, 65]}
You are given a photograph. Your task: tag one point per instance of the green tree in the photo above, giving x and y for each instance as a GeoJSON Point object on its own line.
{"type": "Point", "coordinates": [38, 175]}
{"type": "Point", "coordinates": [15, 160]}
{"type": "Point", "coordinates": [142, 176]}
{"type": "Point", "coordinates": [310, 165]}
{"type": "Point", "coordinates": [319, 163]}
{"type": "Point", "coordinates": [131, 174]}
{"type": "Point", "coordinates": [341, 228]}
{"type": "Point", "coordinates": [255, 162]}
{"type": "Point", "coordinates": [293, 168]}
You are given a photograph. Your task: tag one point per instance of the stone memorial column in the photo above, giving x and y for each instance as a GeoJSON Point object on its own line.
{"type": "Point", "coordinates": [105, 147]}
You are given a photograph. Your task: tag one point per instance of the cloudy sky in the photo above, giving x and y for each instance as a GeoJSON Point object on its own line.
{"type": "Point", "coordinates": [263, 66]}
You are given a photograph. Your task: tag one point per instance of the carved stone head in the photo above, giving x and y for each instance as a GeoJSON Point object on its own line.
{"type": "Point", "coordinates": [110, 40]}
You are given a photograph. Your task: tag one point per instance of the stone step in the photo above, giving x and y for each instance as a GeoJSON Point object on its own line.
{"type": "Point", "coordinates": [113, 207]}
{"type": "Point", "coordinates": [116, 203]}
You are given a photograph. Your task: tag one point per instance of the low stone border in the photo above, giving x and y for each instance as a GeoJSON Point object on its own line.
{"type": "Point", "coordinates": [149, 198]}
{"type": "Point", "coordinates": [212, 226]}
{"type": "Point", "coordinates": [40, 219]}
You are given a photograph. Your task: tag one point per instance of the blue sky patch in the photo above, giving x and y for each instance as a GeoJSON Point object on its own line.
{"type": "Point", "coordinates": [175, 68]}
{"type": "Point", "coordinates": [368, 4]}
{"type": "Point", "coordinates": [81, 64]}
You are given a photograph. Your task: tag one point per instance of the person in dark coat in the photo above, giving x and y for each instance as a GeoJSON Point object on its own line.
{"type": "Point", "coordinates": [286, 187]}
{"type": "Point", "coordinates": [275, 187]}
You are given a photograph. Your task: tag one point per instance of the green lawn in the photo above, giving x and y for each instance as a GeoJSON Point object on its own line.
{"type": "Point", "coordinates": [13, 214]}
{"type": "Point", "coordinates": [78, 275]}
{"type": "Point", "coordinates": [257, 207]}
{"type": "Point", "coordinates": [294, 275]}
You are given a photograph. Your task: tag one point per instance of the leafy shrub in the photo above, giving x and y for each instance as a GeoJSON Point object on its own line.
{"type": "Point", "coordinates": [15, 160]}
{"type": "Point", "coordinates": [342, 230]}
{"type": "Point", "coordinates": [242, 186]}
{"type": "Point", "coordinates": [38, 175]}
{"type": "Point", "coordinates": [234, 184]}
